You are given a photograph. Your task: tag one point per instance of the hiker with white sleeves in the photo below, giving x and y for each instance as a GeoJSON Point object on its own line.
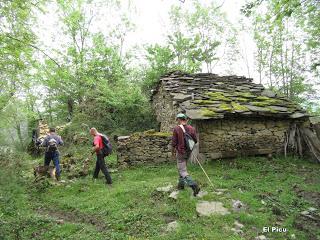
{"type": "Point", "coordinates": [183, 139]}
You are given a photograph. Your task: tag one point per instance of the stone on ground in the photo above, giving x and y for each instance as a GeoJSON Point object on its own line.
{"type": "Point", "coordinates": [218, 193]}
{"type": "Point", "coordinates": [238, 225]}
{"type": "Point", "coordinates": [312, 209]}
{"type": "Point", "coordinates": [165, 189]}
{"type": "Point", "coordinates": [237, 231]}
{"type": "Point", "coordinates": [205, 208]}
{"type": "Point", "coordinates": [172, 226]}
{"type": "Point", "coordinates": [202, 194]}
{"type": "Point", "coordinates": [261, 237]}
{"type": "Point", "coordinates": [60, 221]}
{"type": "Point", "coordinates": [237, 205]}
{"type": "Point", "coordinates": [221, 190]}
{"type": "Point", "coordinates": [174, 195]}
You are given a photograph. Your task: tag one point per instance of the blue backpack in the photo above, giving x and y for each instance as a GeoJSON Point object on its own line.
{"type": "Point", "coordinates": [107, 147]}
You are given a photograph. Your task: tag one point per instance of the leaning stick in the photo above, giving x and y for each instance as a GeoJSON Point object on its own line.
{"type": "Point", "coordinates": [204, 171]}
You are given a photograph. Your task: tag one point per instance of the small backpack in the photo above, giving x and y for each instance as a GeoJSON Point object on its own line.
{"type": "Point", "coordinates": [188, 140]}
{"type": "Point", "coordinates": [107, 147]}
{"type": "Point", "coordinates": [52, 145]}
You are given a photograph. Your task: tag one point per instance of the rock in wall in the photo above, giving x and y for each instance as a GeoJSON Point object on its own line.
{"type": "Point", "coordinates": [143, 148]}
{"type": "Point", "coordinates": [165, 110]}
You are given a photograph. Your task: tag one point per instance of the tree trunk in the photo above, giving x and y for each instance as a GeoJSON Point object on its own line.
{"type": "Point", "coordinates": [18, 128]}
{"type": "Point", "coordinates": [70, 104]}
{"type": "Point", "coordinates": [291, 72]}
{"type": "Point", "coordinates": [270, 67]}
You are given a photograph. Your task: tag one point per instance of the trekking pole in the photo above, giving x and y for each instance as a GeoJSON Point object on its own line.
{"type": "Point", "coordinates": [204, 171]}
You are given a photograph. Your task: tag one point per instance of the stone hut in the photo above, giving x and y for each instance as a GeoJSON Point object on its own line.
{"type": "Point", "coordinates": [233, 116]}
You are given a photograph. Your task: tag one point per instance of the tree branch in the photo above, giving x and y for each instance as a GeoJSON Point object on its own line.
{"type": "Point", "coordinates": [35, 47]}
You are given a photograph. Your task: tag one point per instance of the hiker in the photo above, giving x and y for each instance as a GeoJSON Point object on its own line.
{"type": "Point", "coordinates": [182, 153]}
{"type": "Point", "coordinates": [51, 142]}
{"type": "Point", "coordinates": [98, 149]}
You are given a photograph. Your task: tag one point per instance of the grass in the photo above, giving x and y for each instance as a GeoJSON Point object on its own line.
{"type": "Point", "coordinates": [133, 209]}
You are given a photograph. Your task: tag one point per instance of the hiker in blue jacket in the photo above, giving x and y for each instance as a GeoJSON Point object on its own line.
{"type": "Point", "coordinates": [51, 143]}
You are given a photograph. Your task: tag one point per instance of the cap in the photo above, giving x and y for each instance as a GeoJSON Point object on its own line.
{"type": "Point", "coordinates": [181, 116]}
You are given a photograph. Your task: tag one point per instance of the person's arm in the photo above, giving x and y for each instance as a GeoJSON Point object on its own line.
{"type": "Point", "coordinates": [194, 135]}
{"type": "Point", "coordinates": [174, 142]}
{"type": "Point", "coordinates": [45, 142]}
{"type": "Point", "coordinates": [95, 147]}
{"type": "Point", "coordinates": [60, 141]}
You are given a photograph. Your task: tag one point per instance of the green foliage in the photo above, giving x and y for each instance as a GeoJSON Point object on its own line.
{"type": "Point", "coordinates": [205, 26]}
{"type": "Point", "coordinates": [93, 87]}
{"type": "Point", "coordinates": [15, 118]}
{"type": "Point", "coordinates": [284, 34]}
{"type": "Point", "coordinates": [160, 60]}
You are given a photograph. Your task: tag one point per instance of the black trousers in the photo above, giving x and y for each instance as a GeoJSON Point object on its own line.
{"type": "Point", "coordinates": [101, 165]}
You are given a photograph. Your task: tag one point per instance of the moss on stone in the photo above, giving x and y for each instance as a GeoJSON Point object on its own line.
{"type": "Point", "coordinates": [262, 98]}
{"type": "Point", "coordinates": [260, 104]}
{"type": "Point", "coordinates": [237, 107]}
{"type": "Point", "coordinates": [225, 107]}
{"type": "Point", "coordinates": [266, 102]}
{"type": "Point", "coordinates": [245, 94]}
{"type": "Point", "coordinates": [241, 99]}
{"type": "Point", "coordinates": [272, 110]}
{"type": "Point", "coordinates": [160, 134]}
{"type": "Point", "coordinates": [218, 96]}
{"type": "Point", "coordinates": [152, 132]}
{"type": "Point", "coordinates": [208, 113]}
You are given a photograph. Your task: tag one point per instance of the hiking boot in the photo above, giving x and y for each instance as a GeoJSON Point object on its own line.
{"type": "Point", "coordinates": [196, 189]}
{"type": "Point", "coordinates": [58, 178]}
{"type": "Point", "coordinates": [180, 186]}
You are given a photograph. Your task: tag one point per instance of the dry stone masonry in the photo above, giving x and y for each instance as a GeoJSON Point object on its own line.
{"type": "Point", "coordinates": [141, 148]}
{"type": "Point", "coordinates": [241, 137]}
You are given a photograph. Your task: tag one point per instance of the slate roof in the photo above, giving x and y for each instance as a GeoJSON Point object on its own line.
{"type": "Point", "coordinates": [209, 96]}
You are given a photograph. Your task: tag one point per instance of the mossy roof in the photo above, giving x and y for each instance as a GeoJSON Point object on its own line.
{"type": "Point", "coordinates": [209, 96]}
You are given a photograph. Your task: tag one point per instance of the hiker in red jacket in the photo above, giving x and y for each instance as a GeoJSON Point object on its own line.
{"type": "Point", "coordinates": [100, 163]}
{"type": "Point", "coordinates": [182, 153]}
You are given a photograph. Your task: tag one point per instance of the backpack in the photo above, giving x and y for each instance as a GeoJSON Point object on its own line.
{"type": "Point", "coordinates": [107, 147]}
{"type": "Point", "coordinates": [188, 140]}
{"type": "Point", "coordinates": [52, 145]}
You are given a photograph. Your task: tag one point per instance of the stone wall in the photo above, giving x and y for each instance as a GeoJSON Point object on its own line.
{"type": "Point", "coordinates": [165, 109]}
{"type": "Point", "coordinates": [225, 138]}
{"type": "Point", "coordinates": [143, 148]}
{"type": "Point", "coordinates": [241, 137]}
